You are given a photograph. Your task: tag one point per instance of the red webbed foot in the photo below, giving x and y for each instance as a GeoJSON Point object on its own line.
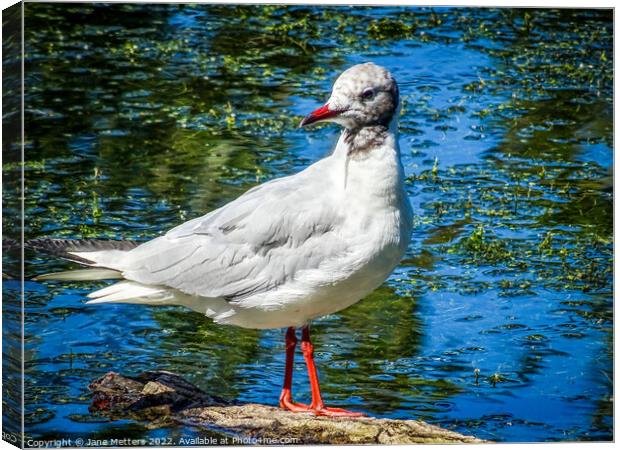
{"type": "Point", "coordinates": [287, 403]}
{"type": "Point", "coordinates": [335, 412]}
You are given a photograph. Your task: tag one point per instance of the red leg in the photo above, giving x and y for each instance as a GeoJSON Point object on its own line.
{"type": "Point", "coordinates": [286, 397]}
{"type": "Point", "coordinates": [317, 406]}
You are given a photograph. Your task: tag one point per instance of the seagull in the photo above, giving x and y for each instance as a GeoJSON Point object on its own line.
{"type": "Point", "coordinates": [287, 251]}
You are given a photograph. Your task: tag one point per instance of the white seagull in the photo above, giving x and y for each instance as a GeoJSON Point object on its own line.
{"type": "Point", "coordinates": [287, 251]}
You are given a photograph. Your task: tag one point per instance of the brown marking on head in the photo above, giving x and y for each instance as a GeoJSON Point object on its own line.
{"type": "Point", "coordinates": [363, 139]}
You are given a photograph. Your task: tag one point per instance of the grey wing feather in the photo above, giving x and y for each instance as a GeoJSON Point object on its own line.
{"type": "Point", "coordinates": [254, 244]}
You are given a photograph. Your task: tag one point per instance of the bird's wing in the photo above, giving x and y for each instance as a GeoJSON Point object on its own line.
{"type": "Point", "coordinates": [251, 245]}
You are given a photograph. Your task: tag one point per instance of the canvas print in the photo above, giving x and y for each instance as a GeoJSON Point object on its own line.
{"type": "Point", "coordinates": [234, 224]}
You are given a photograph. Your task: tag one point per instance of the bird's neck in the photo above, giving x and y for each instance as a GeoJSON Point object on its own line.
{"type": "Point", "coordinates": [368, 160]}
{"type": "Point", "coordinates": [361, 142]}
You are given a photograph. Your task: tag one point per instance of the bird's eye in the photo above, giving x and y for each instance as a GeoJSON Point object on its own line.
{"type": "Point", "coordinates": [368, 93]}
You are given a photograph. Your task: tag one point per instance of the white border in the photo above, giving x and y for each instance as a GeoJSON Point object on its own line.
{"type": "Point", "coordinates": [464, 3]}
{"type": "Point", "coordinates": [479, 3]}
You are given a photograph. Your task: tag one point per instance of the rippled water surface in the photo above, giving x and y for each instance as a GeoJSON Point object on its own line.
{"type": "Point", "coordinates": [499, 321]}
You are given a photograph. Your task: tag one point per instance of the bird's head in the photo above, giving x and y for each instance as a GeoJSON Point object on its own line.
{"type": "Point", "coordinates": [363, 95]}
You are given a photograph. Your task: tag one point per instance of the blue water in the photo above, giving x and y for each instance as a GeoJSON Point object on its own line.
{"type": "Point", "coordinates": [140, 119]}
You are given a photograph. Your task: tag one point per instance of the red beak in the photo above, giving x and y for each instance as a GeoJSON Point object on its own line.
{"type": "Point", "coordinates": [322, 113]}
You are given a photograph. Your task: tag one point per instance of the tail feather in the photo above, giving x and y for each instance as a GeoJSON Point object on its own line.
{"type": "Point", "coordinates": [131, 292]}
{"type": "Point", "coordinates": [81, 275]}
{"type": "Point", "coordinates": [104, 260]}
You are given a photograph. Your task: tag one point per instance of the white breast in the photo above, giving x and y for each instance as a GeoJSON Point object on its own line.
{"type": "Point", "coordinates": [377, 230]}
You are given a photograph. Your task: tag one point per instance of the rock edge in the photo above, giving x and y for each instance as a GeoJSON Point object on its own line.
{"type": "Point", "coordinates": [163, 399]}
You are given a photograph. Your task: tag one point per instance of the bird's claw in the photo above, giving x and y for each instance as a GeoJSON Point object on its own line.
{"type": "Point", "coordinates": [335, 412]}
{"type": "Point", "coordinates": [288, 404]}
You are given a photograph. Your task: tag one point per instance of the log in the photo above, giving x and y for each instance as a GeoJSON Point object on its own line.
{"type": "Point", "coordinates": [162, 399]}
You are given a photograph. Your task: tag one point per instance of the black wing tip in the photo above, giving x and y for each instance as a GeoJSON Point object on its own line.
{"type": "Point", "coordinates": [79, 245]}
{"type": "Point", "coordinates": [61, 248]}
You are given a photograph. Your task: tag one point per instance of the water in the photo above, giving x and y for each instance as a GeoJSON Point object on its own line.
{"type": "Point", "coordinates": [141, 117]}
